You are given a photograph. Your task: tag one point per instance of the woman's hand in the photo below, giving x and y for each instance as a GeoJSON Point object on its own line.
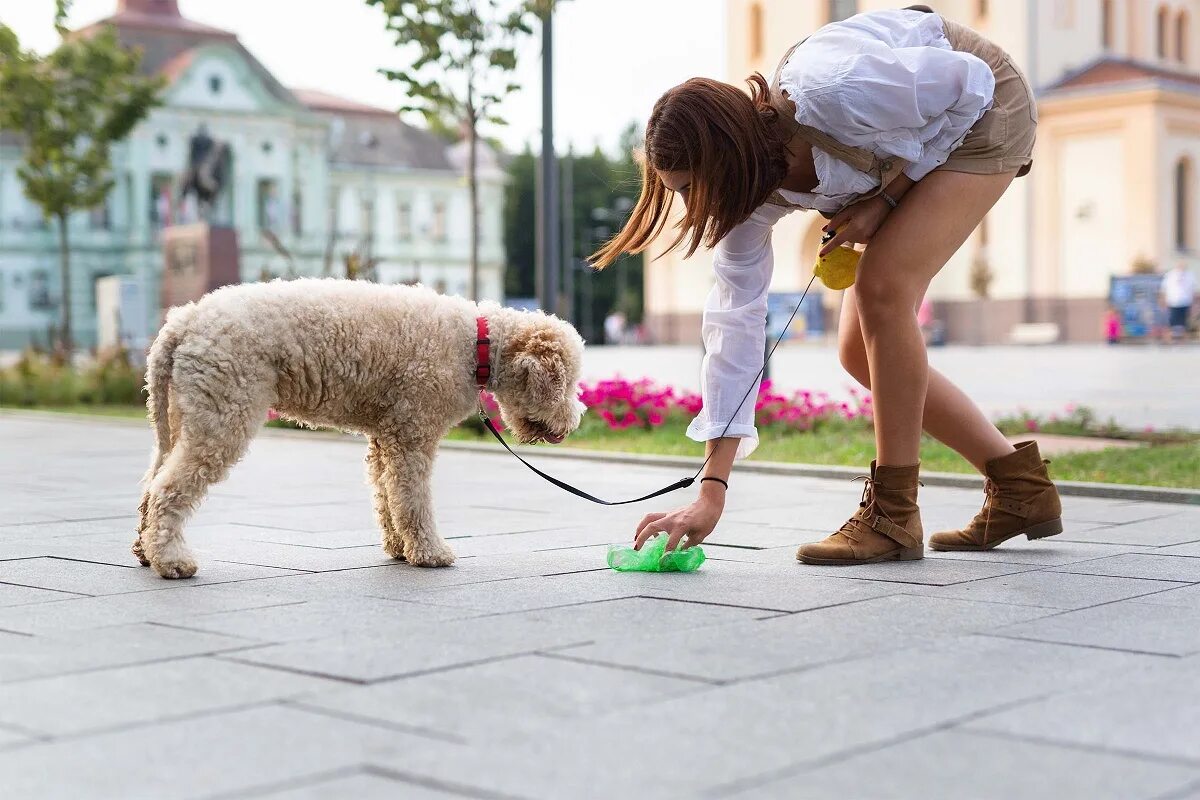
{"type": "Point", "coordinates": [694, 521]}
{"type": "Point", "coordinates": [856, 224]}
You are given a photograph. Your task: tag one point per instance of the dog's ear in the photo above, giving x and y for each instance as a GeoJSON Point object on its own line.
{"type": "Point", "coordinates": [539, 361]}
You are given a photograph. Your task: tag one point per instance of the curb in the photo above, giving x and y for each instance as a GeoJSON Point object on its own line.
{"type": "Point", "coordinates": [1108, 491]}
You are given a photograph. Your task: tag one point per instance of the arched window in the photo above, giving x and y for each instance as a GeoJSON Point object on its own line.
{"type": "Point", "coordinates": [756, 31]}
{"type": "Point", "coordinates": [1163, 23]}
{"type": "Point", "coordinates": [1184, 204]}
{"type": "Point", "coordinates": [1107, 22]}
{"type": "Point", "coordinates": [1181, 38]}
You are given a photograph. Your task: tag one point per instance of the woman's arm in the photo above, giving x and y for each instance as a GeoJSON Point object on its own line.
{"type": "Point", "coordinates": [734, 331]}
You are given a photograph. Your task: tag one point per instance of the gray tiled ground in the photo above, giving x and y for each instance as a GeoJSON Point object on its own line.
{"type": "Point", "coordinates": [301, 663]}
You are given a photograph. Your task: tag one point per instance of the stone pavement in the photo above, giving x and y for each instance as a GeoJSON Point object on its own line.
{"type": "Point", "coordinates": [301, 663]}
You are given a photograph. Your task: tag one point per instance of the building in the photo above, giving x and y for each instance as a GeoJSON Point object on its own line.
{"type": "Point", "coordinates": [1114, 181]}
{"type": "Point", "coordinates": [314, 177]}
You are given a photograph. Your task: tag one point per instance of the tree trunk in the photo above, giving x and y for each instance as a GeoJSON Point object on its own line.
{"type": "Point", "coordinates": [473, 187]}
{"type": "Point", "coordinates": [66, 341]}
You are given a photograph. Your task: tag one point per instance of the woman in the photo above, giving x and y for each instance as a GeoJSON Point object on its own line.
{"type": "Point", "coordinates": [902, 129]}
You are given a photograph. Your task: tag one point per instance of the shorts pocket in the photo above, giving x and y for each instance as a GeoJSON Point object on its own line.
{"type": "Point", "coordinates": [1030, 99]}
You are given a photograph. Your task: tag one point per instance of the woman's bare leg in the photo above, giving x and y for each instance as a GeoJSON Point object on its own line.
{"type": "Point", "coordinates": [912, 245]}
{"type": "Point", "coordinates": [949, 415]}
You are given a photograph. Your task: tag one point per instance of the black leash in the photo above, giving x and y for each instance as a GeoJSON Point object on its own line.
{"type": "Point", "coordinates": [682, 483]}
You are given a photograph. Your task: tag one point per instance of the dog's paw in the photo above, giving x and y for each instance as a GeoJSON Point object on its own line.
{"type": "Point", "coordinates": [174, 561]}
{"type": "Point", "coordinates": [394, 547]}
{"type": "Point", "coordinates": [437, 556]}
{"type": "Point", "coordinates": [139, 552]}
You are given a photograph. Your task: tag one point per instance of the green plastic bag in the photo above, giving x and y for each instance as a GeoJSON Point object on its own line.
{"type": "Point", "coordinates": [651, 557]}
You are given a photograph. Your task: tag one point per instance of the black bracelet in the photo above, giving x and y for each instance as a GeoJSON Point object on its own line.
{"type": "Point", "coordinates": [718, 480]}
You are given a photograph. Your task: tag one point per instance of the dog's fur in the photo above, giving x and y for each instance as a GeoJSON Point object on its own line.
{"type": "Point", "coordinates": [394, 363]}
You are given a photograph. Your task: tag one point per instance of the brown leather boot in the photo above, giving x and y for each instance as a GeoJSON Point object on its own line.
{"type": "Point", "coordinates": [1020, 499]}
{"type": "Point", "coordinates": [886, 527]}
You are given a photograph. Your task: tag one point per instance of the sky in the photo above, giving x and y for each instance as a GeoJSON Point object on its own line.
{"type": "Point", "coordinates": [612, 58]}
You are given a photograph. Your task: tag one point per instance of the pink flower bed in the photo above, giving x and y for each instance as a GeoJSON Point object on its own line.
{"type": "Point", "coordinates": [644, 405]}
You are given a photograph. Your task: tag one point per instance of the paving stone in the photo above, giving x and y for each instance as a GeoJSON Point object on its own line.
{"type": "Point", "coordinates": [225, 754]}
{"type": "Point", "coordinates": [27, 657]}
{"type": "Point", "coordinates": [86, 577]}
{"type": "Point", "coordinates": [1142, 565]}
{"type": "Point", "coordinates": [732, 733]}
{"type": "Point", "coordinates": [1161, 531]}
{"type": "Point", "coordinates": [1053, 552]}
{"type": "Point", "coordinates": [528, 696]}
{"type": "Point", "coordinates": [523, 594]}
{"type": "Point", "coordinates": [359, 785]}
{"type": "Point", "coordinates": [1109, 512]}
{"type": "Point", "coordinates": [427, 646]}
{"type": "Point", "coordinates": [534, 541]}
{"type": "Point", "coordinates": [960, 764]}
{"type": "Point", "coordinates": [1190, 549]}
{"type": "Point", "coordinates": [1154, 712]}
{"type": "Point", "coordinates": [108, 698]}
{"type": "Point", "coordinates": [174, 606]}
{"type": "Point", "coordinates": [1188, 597]}
{"type": "Point", "coordinates": [927, 571]}
{"type": "Point", "coordinates": [788, 643]}
{"type": "Point", "coordinates": [758, 586]}
{"type": "Point", "coordinates": [27, 595]}
{"type": "Point", "coordinates": [13, 738]}
{"type": "Point", "coordinates": [1128, 625]}
{"type": "Point", "coordinates": [1051, 589]}
{"type": "Point", "coordinates": [316, 619]}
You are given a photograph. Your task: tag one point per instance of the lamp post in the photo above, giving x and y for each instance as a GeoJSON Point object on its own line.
{"type": "Point", "coordinates": [550, 229]}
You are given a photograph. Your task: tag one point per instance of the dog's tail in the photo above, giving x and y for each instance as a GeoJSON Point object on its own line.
{"type": "Point", "coordinates": [159, 365]}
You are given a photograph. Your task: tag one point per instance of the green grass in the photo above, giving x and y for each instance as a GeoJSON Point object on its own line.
{"type": "Point", "coordinates": [128, 412]}
{"type": "Point", "coordinates": [1172, 465]}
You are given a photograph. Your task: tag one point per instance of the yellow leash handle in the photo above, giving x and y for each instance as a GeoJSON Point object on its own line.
{"type": "Point", "coordinates": [837, 269]}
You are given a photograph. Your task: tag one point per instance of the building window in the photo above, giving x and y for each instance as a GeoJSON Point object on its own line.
{"type": "Point", "coordinates": [1184, 203]}
{"type": "Point", "coordinates": [1107, 21]}
{"type": "Point", "coordinates": [1163, 21]}
{"type": "Point", "coordinates": [981, 9]}
{"type": "Point", "coordinates": [96, 276]}
{"type": "Point", "coordinates": [404, 221]}
{"type": "Point", "coordinates": [162, 200]}
{"type": "Point", "coordinates": [39, 291]}
{"type": "Point", "coordinates": [214, 84]}
{"type": "Point", "coordinates": [842, 9]}
{"type": "Point", "coordinates": [756, 31]}
{"type": "Point", "coordinates": [99, 217]}
{"type": "Point", "coordinates": [439, 220]}
{"type": "Point", "coordinates": [297, 212]}
{"type": "Point", "coordinates": [267, 210]}
{"type": "Point", "coordinates": [1181, 38]}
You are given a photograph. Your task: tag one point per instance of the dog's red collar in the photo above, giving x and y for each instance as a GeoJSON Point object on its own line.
{"type": "Point", "coordinates": [483, 353]}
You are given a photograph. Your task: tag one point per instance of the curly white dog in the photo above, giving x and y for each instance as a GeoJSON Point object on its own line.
{"type": "Point", "coordinates": [398, 364]}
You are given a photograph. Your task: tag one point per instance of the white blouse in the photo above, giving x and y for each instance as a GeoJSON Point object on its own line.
{"type": "Point", "coordinates": [886, 81]}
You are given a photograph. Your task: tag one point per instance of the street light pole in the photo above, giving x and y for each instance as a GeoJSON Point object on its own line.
{"type": "Point", "coordinates": [551, 226]}
{"type": "Point", "coordinates": [568, 236]}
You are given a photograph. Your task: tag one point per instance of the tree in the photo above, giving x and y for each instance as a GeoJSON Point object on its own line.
{"type": "Point", "coordinates": [70, 107]}
{"type": "Point", "coordinates": [465, 51]}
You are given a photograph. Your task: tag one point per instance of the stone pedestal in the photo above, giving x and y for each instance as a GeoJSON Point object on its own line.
{"type": "Point", "coordinates": [197, 259]}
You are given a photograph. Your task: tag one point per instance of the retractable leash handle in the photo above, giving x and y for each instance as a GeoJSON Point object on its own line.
{"type": "Point", "coordinates": [682, 483]}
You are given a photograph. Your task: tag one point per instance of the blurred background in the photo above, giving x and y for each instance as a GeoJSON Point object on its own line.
{"type": "Point", "coordinates": [319, 165]}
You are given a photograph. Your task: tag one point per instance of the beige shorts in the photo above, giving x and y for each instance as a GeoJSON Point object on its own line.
{"type": "Point", "coordinates": [1002, 140]}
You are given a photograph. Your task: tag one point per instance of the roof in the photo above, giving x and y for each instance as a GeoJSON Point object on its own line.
{"type": "Point", "coordinates": [323, 101]}
{"type": "Point", "coordinates": [168, 41]}
{"type": "Point", "coordinates": [1110, 73]}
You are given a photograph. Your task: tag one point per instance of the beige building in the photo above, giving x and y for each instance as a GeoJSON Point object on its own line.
{"type": "Point", "coordinates": [1115, 177]}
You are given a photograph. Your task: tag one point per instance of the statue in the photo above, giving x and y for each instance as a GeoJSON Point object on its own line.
{"type": "Point", "coordinates": [207, 171]}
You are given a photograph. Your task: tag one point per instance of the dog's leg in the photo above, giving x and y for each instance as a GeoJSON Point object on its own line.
{"type": "Point", "coordinates": [407, 471]}
{"type": "Point", "coordinates": [201, 457]}
{"type": "Point", "coordinates": [376, 466]}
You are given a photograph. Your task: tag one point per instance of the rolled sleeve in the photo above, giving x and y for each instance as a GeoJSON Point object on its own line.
{"type": "Point", "coordinates": [734, 332]}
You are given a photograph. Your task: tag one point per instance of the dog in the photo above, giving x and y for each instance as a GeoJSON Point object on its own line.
{"type": "Point", "coordinates": [398, 364]}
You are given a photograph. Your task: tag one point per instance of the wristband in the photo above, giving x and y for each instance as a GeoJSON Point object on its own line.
{"type": "Point", "coordinates": [718, 480]}
{"type": "Point", "coordinates": [891, 201]}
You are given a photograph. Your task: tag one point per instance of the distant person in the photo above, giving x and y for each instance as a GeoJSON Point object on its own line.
{"type": "Point", "coordinates": [1112, 325]}
{"type": "Point", "coordinates": [1178, 293]}
{"type": "Point", "coordinates": [614, 328]}
{"type": "Point", "coordinates": [903, 129]}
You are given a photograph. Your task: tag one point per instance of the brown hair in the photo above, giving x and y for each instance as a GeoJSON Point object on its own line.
{"type": "Point", "coordinates": [730, 145]}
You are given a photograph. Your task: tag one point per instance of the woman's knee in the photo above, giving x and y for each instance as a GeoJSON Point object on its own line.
{"type": "Point", "coordinates": [882, 297]}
